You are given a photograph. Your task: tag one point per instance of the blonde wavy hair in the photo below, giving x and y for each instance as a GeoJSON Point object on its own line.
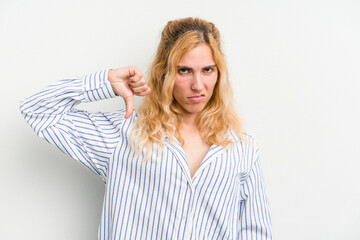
{"type": "Point", "coordinates": [159, 116]}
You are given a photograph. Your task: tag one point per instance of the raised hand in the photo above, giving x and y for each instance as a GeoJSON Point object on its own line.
{"type": "Point", "coordinates": [127, 82]}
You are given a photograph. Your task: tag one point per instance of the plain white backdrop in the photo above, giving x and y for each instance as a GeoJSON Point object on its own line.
{"type": "Point", "coordinates": [295, 70]}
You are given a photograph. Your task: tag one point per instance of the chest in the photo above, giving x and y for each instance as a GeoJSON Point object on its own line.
{"type": "Point", "coordinates": [169, 168]}
{"type": "Point", "coordinates": [161, 188]}
{"type": "Point", "coordinates": [195, 151]}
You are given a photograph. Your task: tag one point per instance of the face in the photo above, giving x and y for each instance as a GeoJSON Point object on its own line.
{"type": "Point", "coordinates": [195, 80]}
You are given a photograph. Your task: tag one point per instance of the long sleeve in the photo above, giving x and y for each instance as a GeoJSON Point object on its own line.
{"type": "Point", "coordinates": [254, 218]}
{"type": "Point", "coordinates": [87, 137]}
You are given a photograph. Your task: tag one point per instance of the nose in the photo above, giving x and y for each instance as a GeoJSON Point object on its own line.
{"type": "Point", "coordinates": [197, 83]}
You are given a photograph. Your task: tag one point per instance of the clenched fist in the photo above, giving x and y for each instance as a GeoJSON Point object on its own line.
{"type": "Point", "coordinates": [127, 82]}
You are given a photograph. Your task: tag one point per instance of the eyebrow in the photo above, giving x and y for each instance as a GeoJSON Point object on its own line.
{"type": "Point", "coordinates": [189, 68]}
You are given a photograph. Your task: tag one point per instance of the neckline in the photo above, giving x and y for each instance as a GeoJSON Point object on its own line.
{"type": "Point", "coordinates": [178, 151]}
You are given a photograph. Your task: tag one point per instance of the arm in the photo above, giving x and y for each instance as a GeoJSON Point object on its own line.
{"type": "Point", "coordinates": [254, 218]}
{"type": "Point", "coordinates": [89, 138]}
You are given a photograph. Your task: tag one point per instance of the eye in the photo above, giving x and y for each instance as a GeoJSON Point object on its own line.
{"type": "Point", "coordinates": [208, 69]}
{"type": "Point", "coordinates": [183, 70]}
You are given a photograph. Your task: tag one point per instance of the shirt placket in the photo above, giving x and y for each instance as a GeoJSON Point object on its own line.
{"type": "Point", "coordinates": [187, 216]}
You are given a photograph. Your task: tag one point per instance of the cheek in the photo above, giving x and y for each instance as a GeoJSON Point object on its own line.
{"type": "Point", "coordinates": [211, 82]}
{"type": "Point", "coordinates": [180, 86]}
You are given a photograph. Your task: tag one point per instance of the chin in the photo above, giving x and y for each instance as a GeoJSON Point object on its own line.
{"type": "Point", "coordinates": [194, 110]}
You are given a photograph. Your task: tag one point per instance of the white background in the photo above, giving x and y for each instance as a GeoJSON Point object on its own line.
{"type": "Point", "coordinates": [294, 67]}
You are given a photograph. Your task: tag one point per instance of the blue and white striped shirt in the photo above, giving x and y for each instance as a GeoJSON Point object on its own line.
{"type": "Point", "coordinates": [157, 199]}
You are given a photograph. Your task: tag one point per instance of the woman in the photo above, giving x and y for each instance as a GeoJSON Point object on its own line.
{"type": "Point", "coordinates": [180, 167]}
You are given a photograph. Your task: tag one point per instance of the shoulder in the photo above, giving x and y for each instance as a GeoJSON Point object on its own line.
{"type": "Point", "coordinates": [249, 139]}
{"type": "Point", "coordinates": [246, 150]}
{"type": "Point", "coordinates": [250, 146]}
{"type": "Point", "coordinates": [246, 139]}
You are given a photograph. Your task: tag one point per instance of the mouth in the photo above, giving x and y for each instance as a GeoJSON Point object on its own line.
{"type": "Point", "coordinates": [197, 98]}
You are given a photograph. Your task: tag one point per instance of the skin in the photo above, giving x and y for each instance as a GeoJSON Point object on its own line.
{"type": "Point", "coordinates": [194, 84]}
{"type": "Point", "coordinates": [128, 82]}
{"type": "Point", "coordinates": [195, 81]}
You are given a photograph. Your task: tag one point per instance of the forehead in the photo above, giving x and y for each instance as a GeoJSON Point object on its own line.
{"type": "Point", "coordinates": [199, 56]}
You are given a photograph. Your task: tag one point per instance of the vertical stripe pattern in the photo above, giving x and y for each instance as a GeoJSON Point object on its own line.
{"type": "Point", "coordinates": [157, 199]}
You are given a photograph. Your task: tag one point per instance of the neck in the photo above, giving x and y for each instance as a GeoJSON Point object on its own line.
{"type": "Point", "coordinates": [188, 122]}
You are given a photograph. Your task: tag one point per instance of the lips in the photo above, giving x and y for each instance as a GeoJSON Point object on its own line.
{"type": "Point", "coordinates": [197, 98]}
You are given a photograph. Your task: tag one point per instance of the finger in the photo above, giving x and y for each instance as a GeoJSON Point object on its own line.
{"type": "Point", "coordinates": [135, 75]}
{"type": "Point", "coordinates": [144, 93]}
{"type": "Point", "coordinates": [129, 106]}
{"type": "Point", "coordinates": [137, 83]}
{"type": "Point", "coordinates": [140, 89]}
